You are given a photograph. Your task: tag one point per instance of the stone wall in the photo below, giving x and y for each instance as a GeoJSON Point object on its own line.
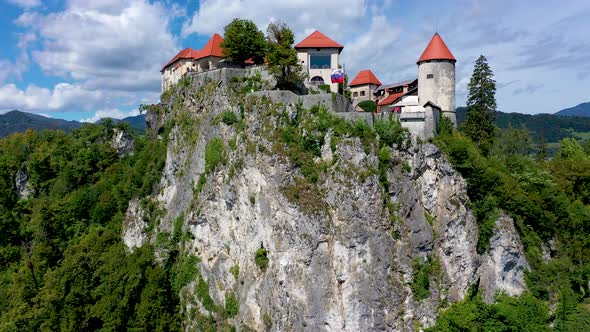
{"type": "Point", "coordinates": [334, 103]}
{"type": "Point", "coordinates": [225, 75]}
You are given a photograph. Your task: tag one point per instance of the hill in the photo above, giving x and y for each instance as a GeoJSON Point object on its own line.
{"type": "Point", "coordinates": [581, 110]}
{"type": "Point", "coordinates": [549, 126]}
{"type": "Point", "coordinates": [16, 121]}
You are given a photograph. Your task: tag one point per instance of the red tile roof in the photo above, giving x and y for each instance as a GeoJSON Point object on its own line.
{"type": "Point", "coordinates": [436, 50]}
{"type": "Point", "coordinates": [390, 99]}
{"type": "Point", "coordinates": [318, 40]}
{"type": "Point", "coordinates": [365, 77]}
{"type": "Point", "coordinates": [211, 48]}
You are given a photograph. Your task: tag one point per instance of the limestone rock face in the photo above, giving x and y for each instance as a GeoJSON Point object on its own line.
{"type": "Point", "coordinates": [122, 142]}
{"type": "Point", "coordinates": [134, 234]}
{"type": "Point", "coordinates": [343, 253]}
{"type": "Point", "coordinates": [503, 267]}
{"type": "Point", "coordinates": [24, 189]}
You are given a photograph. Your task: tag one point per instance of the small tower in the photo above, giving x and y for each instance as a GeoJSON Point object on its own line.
{"type": "Point", "coordinates": [436, 77]}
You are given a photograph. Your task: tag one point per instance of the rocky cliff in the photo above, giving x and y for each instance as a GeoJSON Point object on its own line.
{"type": "Point", "coordinates": [308, 223]}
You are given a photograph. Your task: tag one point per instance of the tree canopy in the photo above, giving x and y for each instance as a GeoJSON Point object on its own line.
{"type": "Point", "coordinates": [243, 41]}
{"type": "Point", "coordinates": [282, 57]}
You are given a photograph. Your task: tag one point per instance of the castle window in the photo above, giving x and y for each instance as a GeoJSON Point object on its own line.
{"type": "Point", "coordinates": [429, 76]}
{"type": "Point", "coordinates": [320, 61]}
{"type": "Point", "coordinates": [362, 93]}
{"type": "Point", "coordinates": [355, 94]}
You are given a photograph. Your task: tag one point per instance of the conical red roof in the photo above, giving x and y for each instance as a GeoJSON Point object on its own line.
{"type": "Point", "coordinates": [436, 50]}
{"type": "Point", "coordinates": [365, 77]}
{"type": "Point", "coordinates": [318, 40]}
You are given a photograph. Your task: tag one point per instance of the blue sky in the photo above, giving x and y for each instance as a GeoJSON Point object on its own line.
{"type": "Point", "coordinates": [84, 59]}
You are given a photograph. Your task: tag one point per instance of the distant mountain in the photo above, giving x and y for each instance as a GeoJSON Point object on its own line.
{"type": "Point", "coordinates": [551, 127]}
{"type": "Point", "coordinates": [136, 122]}
{"type": "Point", "coordinates": [580, 110]}
{"type": "Point", "coordinates": [16, 121]}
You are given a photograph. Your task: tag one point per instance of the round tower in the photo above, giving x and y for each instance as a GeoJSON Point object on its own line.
{"type": "Point", "coordinates": [436, 77]}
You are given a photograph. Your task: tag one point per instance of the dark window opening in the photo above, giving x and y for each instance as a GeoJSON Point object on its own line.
{"type": "Point", "coordinates": [429, 76]}
{"type": "Point", "coordinates": [320, 61]}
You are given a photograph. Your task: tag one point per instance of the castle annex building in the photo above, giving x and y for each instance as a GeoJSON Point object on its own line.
{"type": "Point", "coordinates": [189, 60]}
{"type": "Point", "coordinates": [417, 103]}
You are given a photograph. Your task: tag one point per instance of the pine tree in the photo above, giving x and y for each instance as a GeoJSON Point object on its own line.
{"type": "Point", "coordinates": [481, 103]}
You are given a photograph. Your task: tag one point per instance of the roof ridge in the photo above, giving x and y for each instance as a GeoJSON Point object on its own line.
{"type": "Point", "coordinates": [317, 39]}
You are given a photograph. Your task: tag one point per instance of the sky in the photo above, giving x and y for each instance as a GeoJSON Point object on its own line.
{"type": "Point", "coordinates": [87, 59]}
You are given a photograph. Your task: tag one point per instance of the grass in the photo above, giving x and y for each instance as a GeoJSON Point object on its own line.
{"type": "Point", "coordinates": [235, 271]}
{"type": "Point", "coordinates": [261, 258]}
{"type": "Point", "coordinates": [214, 154]}
{"type": "Point", "coordinates": [232, 306]}
{"type": "Point", "coordinates": [421, 281]}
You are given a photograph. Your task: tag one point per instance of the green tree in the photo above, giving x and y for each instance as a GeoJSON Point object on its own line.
{"type": "Point", "coordinates": [243, 41]}
{"type": "Point", "coordinates": [481, 103]}
{"type": "Point", "coordinates": [368, 106]}
{"type": "Point", "coordinates": [569, 148]}
{"type": "Point", "coordinates": [282, 57]}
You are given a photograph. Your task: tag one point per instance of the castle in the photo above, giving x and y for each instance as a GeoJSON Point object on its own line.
{"type": "Point", "coordinates": [418, 103]}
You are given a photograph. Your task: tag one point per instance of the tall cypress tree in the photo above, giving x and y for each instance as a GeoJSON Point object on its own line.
{"type": "Point", "coordinates": [481, 103]}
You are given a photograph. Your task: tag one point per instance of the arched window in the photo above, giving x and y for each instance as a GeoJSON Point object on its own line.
{"type": "Point", "coordinates": [317, 80]}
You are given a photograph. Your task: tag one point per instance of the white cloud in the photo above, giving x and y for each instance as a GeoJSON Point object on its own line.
{"type": "Point", "coordinates": [14, 70]}
{"type": "Point", "coordinates": [63, 97]}
{"type": "Point", "coordinates": [107, 45]}
{"type": "Point", "coordinates": [334, 17]}
{"type": "Point", "coordinates": [110, 113]}
{"type": "Point", "coordinates": [25, 3]}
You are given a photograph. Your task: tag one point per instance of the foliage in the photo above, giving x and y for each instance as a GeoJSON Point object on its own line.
{"type": "Point", "coordinates": [229, 118]}
{"type": "Point", "coordinates": [368, 106]}
{"type": "Point", "coordinates": [390, 131]}
{"type": "Point", "coordinates": [548, 201]}
{"type": "Point", "coordinates": [232, 305]}
{"type": "Point", "coordinates": [481, 103]}
{"type": "Point", "coordinates": [552, 128]}
{"type": "Point", "coordinates": [261, 258]}
{"type": "Point", "coordinates": [214, 154]}
{"type": "Point", "coordinates": [235, 271]}
{"type": "Point", "coordinates": [63, 265]}
{"type": "Point", "coordinates": [445, 125]}
{"type": "Point", "coordinates": [186, 271]}
{"type": "Point", "coordinates": [243, 41]}
{"type": "Point", "coordinates": [282, 57]}
{"type": "Point", "coordinates": [325, 87]}
{"type": "Point", "coordinates": [524, 313]}
{"type": "Point", "coordinates": [202, 291]}
{"type": "Point", "coordinates": [571, 149]}
{"type": "Point", "coordinates": [421, 280]}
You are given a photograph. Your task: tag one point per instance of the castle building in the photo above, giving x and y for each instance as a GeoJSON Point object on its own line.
{"type": "Point", "coordinates": [319, 56]}
{"type": "Point", "coordinates": [386, 95]}
{"type": "Point", "coordinates": [363, 86]}
{"type": "Point", "coordinates": [189, 60]}
{"type": "Point", "coordinates": [436, 77]}
{"type": "Point", "coordinates": [419, 103]}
